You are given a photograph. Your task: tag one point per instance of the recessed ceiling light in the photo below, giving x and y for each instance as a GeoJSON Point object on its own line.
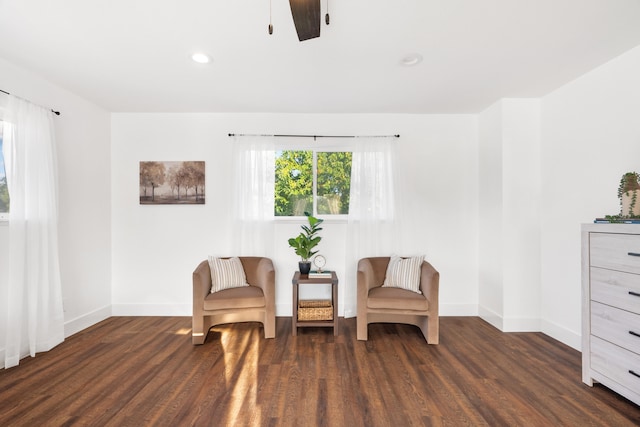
{"type": "Point", "coordinates": [201, 58]}
{"type": "Point", "coordinates": [411, 60]}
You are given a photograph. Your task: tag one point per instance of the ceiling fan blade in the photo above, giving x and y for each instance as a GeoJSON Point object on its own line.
{"type": "Point", "coordinates": [306, 17]}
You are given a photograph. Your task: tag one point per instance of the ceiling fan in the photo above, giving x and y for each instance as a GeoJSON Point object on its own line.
{"type": "Point", "coordinates": [306, 17]}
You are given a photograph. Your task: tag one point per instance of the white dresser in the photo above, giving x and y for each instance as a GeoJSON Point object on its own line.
{"type": "Point", "coordinates": [611, 307]}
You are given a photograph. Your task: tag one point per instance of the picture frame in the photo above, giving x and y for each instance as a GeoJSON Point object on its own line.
{"type": "Point", "coordinates": [172, 183]}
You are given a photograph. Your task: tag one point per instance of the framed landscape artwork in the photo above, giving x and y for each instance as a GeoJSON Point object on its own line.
{"type": "Point", "coordinates": [172, 183]}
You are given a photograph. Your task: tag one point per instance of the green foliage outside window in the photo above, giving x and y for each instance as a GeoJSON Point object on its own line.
{"type": "Point", "coordinates": [4, 195]}
{"type": "Point", "coordinates": [334, 183]}
{"type": "Point", "coordinates": [294, 183]}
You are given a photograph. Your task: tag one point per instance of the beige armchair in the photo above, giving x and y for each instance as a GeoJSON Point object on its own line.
{"type": "Point", "coordinates": [377, 304]}
{"type": "Point", "coordinates": [254, 303]}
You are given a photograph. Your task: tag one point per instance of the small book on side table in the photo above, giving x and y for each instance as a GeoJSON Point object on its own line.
{"type": "Point", "coordinates": [315, 274]}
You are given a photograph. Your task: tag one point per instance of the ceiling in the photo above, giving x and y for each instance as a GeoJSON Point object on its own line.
{"type": "Point", "coordinates": [135, 55]}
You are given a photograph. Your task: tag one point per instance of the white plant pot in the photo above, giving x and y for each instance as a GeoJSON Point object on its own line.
{"type": "Point", "coordinates": [626, 203]}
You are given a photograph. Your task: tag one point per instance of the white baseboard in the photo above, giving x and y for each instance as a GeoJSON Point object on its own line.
{"type": "Point", "coordinates": [509, 324]}
{"type": "Point", "coordinates": [458, 310]}
{"type": "Point", "coordinates": [491, 317]}
{"type": "Point", "coordinates": [562, 334]}
{"type": "Point", "coordinates": [556, 332]}
{"type": "Point", "coordinates": [520, 324]}
{"type": "Point", "coordinates": [151, 310]}
{"type": "Point", "coordinates": [79, 323]}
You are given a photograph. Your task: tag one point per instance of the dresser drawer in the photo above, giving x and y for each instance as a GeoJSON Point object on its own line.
{"type": "Point", "coordinates": [615, 251]}
{"type": "Point", "coordinates": [615, 288]}
{"type": "Point", "coordinates": [617, 364]}
{"type": "Point", "coordinates": [617, 326]}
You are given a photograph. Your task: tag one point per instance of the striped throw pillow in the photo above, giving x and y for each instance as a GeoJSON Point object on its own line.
{"type": "Point", "coordinates": [226, 273]}
{"type": "Point", "coordinates": [404, 273]}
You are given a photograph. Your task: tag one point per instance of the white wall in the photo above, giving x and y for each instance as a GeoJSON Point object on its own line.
{"type": "Point", "coordinates": [490, 230]}
{"type": "Point", "coordinates": [82, 136]}
{"type": "Point", "coordinates": [156, 248]}
{"type": "Point", "coordinates": [509, 274]}
{"type": "Point", "coordinates": [590, 137]}
{"type": "Point", "coordinates": [522, 214]}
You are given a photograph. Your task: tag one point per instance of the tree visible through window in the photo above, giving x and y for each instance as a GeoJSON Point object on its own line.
{"type": "Point", "coordinates": [308, 181]}
{"type": "Point", "coordinates": [4, 190]}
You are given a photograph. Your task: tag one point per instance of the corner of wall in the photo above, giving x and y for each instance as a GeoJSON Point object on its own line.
{"type": "Point", "coordinates": [491, 317]}
{"type": "Point", "coordinates": [562, 334]}
{"type": "Point", "coordinates": [76, 325]}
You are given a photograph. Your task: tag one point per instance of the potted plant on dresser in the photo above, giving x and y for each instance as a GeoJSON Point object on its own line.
{"type": "Point", "coordinates": [628, 194]}
{"type": "Point", "coordinates": [304, 243]}
{"type": "Point", "coordinates": [629, 197]}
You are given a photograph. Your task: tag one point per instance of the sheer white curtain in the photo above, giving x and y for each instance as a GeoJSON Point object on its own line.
{"type": "Point", "coordinates": [373, 224]}
{"type": "Point", "coordinates": [33, 307]}
{"type": "Point", "coordinates": [254, 165]}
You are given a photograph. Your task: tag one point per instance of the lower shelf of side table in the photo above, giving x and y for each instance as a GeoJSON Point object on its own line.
{"type": "Point", "coordinates": [315, 313]}
{"type": "Point", "coordinates": [315, 310]}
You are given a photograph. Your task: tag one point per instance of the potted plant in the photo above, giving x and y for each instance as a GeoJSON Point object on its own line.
{"type": "Point", "coordinates": [628, 195]}
{"type": "Point", "coordinates": [304, 243]}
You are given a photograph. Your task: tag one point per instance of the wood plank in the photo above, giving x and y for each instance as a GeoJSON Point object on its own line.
{"type": "Point", "coordinates": [144, 371]}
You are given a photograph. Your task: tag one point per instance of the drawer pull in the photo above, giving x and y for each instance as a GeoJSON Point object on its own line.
{"type": "Point", "coordinates": [635, 334]}
{"type": "Point", "coordinates": [634, 373]}
{"type": "Point", "coordinates": [635, 294]}
{"type": "Point", "coordinates": [633, 253]}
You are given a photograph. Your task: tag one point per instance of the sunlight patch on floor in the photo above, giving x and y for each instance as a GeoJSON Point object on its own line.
{"type": "Point", "coordinates": [244, 387]}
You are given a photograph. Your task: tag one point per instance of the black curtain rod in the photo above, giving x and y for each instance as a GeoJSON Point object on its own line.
{"type": "Point", "coordinates": [316, 136]}
{"type": "Point", "coordinates": [57, 113]}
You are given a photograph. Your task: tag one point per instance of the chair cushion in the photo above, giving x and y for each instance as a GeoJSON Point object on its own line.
{"type": "Point", "coordinates": [396, 298]}
{"type": "Point", "coordinates": [226, 273]}
{"type": "Point", "coordinates": [243, 297]}
{"type": "Point", "coordinates": [404, 273]}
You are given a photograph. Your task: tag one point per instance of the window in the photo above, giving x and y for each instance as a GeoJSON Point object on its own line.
{"type": "Point", "coordinates": [4, 190]}
{"type": "Point", "coordinates": [312, 181]}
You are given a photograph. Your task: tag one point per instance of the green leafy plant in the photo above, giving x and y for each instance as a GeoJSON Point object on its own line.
{"type": "Point", "coordinates": [307, 240]}
{"type": "Point", "coordinates": [628, 186]}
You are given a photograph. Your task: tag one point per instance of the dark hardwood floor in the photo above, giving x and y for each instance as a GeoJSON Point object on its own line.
{"type": "Point", "coordinates": [138, 371]}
